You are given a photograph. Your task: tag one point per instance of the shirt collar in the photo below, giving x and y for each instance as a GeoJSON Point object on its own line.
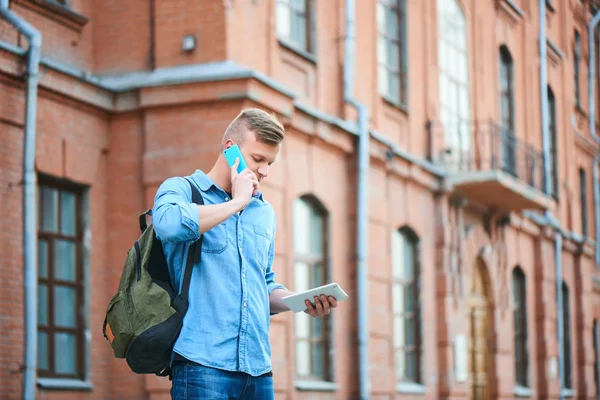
{"type": "Point", "coordinates": [203, 181]}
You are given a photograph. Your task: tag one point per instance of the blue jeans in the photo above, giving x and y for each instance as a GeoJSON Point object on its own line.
{"type": "Point", "coordinates": [195, 382]}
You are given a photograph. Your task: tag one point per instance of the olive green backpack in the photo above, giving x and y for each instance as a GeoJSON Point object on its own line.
{"type": "Point", "coordinates": [144, 318]}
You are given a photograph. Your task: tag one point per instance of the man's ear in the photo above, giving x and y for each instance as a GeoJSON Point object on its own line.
{"type": "Point", "coordinates": [228, 143]}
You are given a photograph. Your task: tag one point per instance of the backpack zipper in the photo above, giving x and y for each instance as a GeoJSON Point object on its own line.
{"type": "Point", "coordinates": [138, 254]}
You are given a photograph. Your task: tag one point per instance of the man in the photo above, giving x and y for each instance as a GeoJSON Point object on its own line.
{"type": "Point", "coordinates": [223, 350]}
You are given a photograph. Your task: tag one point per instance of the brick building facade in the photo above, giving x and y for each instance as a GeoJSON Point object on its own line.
{"type": "Point", "coordinates": [466, 223]}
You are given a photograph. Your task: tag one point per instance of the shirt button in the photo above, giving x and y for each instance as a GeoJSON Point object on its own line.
{"type": "Point", "coordinates": [244, 304]}
{"type": "Point", "coordinates": [243, 276]}
{"type": "Point", "coordinates": [226, 198]}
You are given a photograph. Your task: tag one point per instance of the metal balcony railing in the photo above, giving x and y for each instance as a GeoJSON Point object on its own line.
{"type": "Point", "coordinates": [470, 146]}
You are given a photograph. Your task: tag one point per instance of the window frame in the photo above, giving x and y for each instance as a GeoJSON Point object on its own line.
{"type": "Point", "coordinates": [456, 122]}
{"type": "Point", "coordinates": [79, 284]}
{"type": "Point", "coordinates": [385, 39]}
{"type": "Point", "coordinates": [507, 116]}
{"type": "Point", "coordinates": [507, 89]}
{"type": "Point", "coordinates": [552, 128]}
{"type": "Point", "coordinates": [409, 237]}
{"type": "Point", "coordinates": [309, 28]}
{"type": "Point", "coordinates": [317, 210]}
{"type": "Point", "coordinates": [583, 197]}
{"type": "Point", "coordinates": [577, 68]}
{"type": "Point", "coordinates": [520, 328]}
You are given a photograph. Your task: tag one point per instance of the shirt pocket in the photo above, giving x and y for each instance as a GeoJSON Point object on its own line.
{"type": "Point", "coordinates": [215, 240]}
{"type": "Point", "coordinates": [262, 243]}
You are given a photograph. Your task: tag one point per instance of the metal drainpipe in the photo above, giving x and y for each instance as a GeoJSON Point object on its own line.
{"type": "Point", "coordinates": [362, 218]}
{"type": "Point", "coordinates": [29, 199]}
{"type": "Point", "coordinates": [560, 321]}
{"type": "Point", "coordinates": [592, 120]}
{"type": "Point", "coordinates": [597, 206]}
{"type": "Point", "coordinates": [547, 180]}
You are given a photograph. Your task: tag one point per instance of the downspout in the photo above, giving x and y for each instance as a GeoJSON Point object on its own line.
{"type": "Point", "coordinates": [592, 119]}
{"type": "Point", "coordinates": [597, 206]}
{"type": "Point", "coordinates": [152, 35]}
{"type": "Point", "coordinates": [362, 214]}
{"type": "Point", "coordinates": [547, 179]}
{"type": "Point", "coordinates": [560, 321]}
{"type": "Point", "coordinates": [29, 198]}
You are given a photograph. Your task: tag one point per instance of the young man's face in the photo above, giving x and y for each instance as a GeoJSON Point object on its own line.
{"type": "Point", "coordinates": [258, 156]}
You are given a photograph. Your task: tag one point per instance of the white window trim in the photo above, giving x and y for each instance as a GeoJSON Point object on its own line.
{"type": "Point", "coordinates": [65, 384]}
{"type": "Point", "coordinates": [315, 386]}
{"type": "Point", "coordinates": [522, 391]}
{"type": "Point", "coordinates": [410, 388]}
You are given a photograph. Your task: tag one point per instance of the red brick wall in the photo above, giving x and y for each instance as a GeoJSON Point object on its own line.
{"type": "Point", "coordinates": [175, 19]}
{"type": "Point", "coordinates": [62, 39]}
{"type": "Point", "coordinates": [11, 273]}
{"type": "Point", "coordinates": [122, 37]}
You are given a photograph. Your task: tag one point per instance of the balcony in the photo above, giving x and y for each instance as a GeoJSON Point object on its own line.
{"type": "Point", "coordinates": [489, 166]}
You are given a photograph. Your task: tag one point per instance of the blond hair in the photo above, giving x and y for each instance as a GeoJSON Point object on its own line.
{"type": "Point", "coordinates": [265, 126]}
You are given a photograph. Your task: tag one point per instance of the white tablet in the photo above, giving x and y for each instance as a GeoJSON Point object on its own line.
{"type": "Point", "coordinates": [295, 302]}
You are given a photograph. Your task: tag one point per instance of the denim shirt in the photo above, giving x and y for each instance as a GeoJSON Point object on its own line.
{"type": "Point", "coordinates": [227, 323]}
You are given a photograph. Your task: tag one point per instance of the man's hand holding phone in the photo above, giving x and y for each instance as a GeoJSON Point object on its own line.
{"type": "Point", "coordinates": [243, 184]}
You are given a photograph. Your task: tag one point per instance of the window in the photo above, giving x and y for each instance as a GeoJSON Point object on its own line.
{"type": "Point", "coordinates": [454, 76]}
{"type": "Point", "coordinates": [296, 24]}
{"type": "Point", "coordinates": [577, 61]}
{"type": "Point", "coordinates": [310, 270]}
{"type": "Point", "coordinates": [507, 108]}
{"type": "Point", "coordinates": [596, 359]}
{"type": "Point", "coordinates": [520, 327]}
{"type": "Point", "coordinates": [391, 23]}
{"type": "Point", "coordinates": [583, 201]}
{"type": "Point", "coordinates": [64, 3]}
{"type": "Point", "coordinates": [406, 306]}
{"type": "Point", "coordinates": [60, 282]}
{"type": "Point", "coordinates": [566, 338]}
{"type": "Point", "coordinates": [553, 157]}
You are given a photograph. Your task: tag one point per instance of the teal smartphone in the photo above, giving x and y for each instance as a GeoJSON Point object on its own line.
{"type": "Point", "coordinates": [231, 154]}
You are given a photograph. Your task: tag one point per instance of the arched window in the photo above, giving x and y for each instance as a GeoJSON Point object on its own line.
{"type": "Point", "coordinates": [310, 270]}
{"type": "Point", "coordinates": [406, 274]}
{"type": "Point", "coordinates": [553, 156]}
{"type": "Point", "coordinates": [576, 67]}
{"type": "Point", "coordinates": [507, 109]}
{"type": "Point", "coordinates": [583, 201]}
{"type": "Point", "coordinates": [454, 76]}
{"type": "Point", "coordinates": [520, 327]}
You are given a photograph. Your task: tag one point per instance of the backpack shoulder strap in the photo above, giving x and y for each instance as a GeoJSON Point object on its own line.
{"type": "Point", "coordinates": [196, 196]}
{"type": "Point", "coordinates": [143, 223]}
{"type": "Point", "coordinates": [193, 254]}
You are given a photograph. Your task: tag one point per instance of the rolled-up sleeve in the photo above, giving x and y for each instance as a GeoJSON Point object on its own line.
{"type": "Point", "coordinates": [174, 217]}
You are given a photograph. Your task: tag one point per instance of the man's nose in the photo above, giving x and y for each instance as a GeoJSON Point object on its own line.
{"type": "Point", "coordinates": [264, 171]}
